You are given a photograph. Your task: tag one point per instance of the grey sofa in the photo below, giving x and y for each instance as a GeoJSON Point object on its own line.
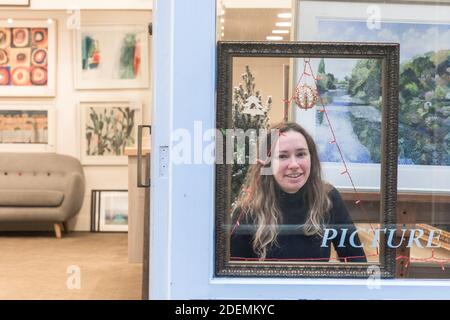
{"type": "Point", "coordinates": [44, 187]}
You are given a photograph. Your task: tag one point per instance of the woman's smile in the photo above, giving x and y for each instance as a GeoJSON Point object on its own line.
{"type": "Point", "coordinates": [291, 163]}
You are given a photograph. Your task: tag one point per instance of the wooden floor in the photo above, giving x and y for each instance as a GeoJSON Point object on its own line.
{"type": "Point", "coordinates": [39, 266]}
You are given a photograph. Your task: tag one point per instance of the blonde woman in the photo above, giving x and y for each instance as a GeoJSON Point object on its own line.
{"type": "Point", "coordinates": [285, 214]}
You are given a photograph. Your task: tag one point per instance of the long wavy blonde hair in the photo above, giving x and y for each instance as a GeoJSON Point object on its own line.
{"type": "Point", "coordinates": [258, 199]}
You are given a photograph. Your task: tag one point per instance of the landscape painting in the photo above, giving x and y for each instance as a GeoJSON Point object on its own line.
{"type": "Point", "coordinates": [350, 94]}
{"type": "Point", "coordinates": [27, 128]}
{"type": "Point", "coordinates": [24, 126]}
{"type": "Point", "coordinates": [424, 118]}
{"type": "Point", "coordinates": [423, 32]}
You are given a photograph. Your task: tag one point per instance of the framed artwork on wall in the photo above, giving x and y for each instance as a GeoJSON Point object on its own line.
{"type": "Point", "coordinates": [27, 128]}
{"type": "Point", "coordinates": [27, 58]}
{"type": "Point", "coordinates": [107, 128]}
{"type": "Point", "coordinates": [109, 210]}
{"type": "Point", "coordinates": [111, 57]}
{"type": "Point", "coordinates": [423, 32]}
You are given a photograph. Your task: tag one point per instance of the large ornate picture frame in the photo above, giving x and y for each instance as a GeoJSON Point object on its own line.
{"type": "Point", "coordinates": [422, 29]}
{"type": "Point", "coordinates": [387, 54]}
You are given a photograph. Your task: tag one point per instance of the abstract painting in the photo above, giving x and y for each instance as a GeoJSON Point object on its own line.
{"type": "Point", "coordinates": [27, 58]}
{"type": "Point", "coordinates": [112, 57]}
{"type": "Point", "coordinates": [107, 128]}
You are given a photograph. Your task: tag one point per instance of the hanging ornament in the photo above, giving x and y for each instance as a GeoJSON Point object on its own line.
{"type": "Point", "coordinates": [305, 96]}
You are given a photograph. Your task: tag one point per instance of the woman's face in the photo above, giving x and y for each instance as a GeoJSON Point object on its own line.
{"type": "Point", "coordinates": [291, 162]}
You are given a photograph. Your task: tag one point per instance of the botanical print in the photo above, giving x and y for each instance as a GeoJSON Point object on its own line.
{"type": "Point", "coordinates": [109, 129]}
{"type": "Point", "coordinates": [424, 117]}
{"type": "Point", "coordinates": [111, 55]}
{"type": "Point", "coordinates": [24, 126]}
{"type": "Point", "coordinates": [23, 56]}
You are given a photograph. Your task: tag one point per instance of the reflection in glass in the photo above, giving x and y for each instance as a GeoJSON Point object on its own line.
{"type": "Point", "coordinates": [293, 215]}
{"type": "Point", "coordinates": [285, 209]}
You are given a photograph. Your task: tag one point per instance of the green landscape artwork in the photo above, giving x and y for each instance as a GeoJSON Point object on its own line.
{"type": "Point", "coordinates": [424, 117]}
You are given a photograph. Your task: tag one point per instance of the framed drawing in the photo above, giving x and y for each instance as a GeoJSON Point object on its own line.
{"type": "Point", "coordinates": [27, 58]}
{"type": "Point", "coordinates": [107, 128]}
{"type": "Point", "coordinates": [382, 60]}
{"type": "Point", "coordinates": [111, 57]}
{"type": "Point", "coordinates": [109, 210]}
{"type": "Point", "coordinates": [423, 32]}
{"type": "Point", "coordinates": [27, 128]}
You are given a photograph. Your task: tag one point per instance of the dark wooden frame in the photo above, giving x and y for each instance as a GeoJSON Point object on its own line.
{"type": "Point", "coordinates": [389, 55]}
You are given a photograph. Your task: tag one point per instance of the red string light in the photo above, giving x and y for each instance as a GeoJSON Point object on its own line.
{"type": "Point", "coordinates": [435, 260]}
{"type": "Point", "coordinates": [338, 259]}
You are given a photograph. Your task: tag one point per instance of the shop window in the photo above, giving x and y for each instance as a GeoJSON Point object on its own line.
{"type": "Point", "coordinates": [354, 162]}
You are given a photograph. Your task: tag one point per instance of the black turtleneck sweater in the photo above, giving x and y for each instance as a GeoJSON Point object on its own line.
{"type": "Point", "coordinates": [292, 243]}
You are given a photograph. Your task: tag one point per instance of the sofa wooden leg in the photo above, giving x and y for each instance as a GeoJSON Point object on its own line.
{"type": "Point", "coordinates": [66, 227]}
{"type": "Point", "coordinates": [57, 227]}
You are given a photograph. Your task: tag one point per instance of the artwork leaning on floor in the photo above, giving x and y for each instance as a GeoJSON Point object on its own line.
{"type": "Point", "coordinates": [325, 71]}
{"type": "Point", "coordinates": [107, 128]}
{"type": "Point", "coordinates": [109, 211]}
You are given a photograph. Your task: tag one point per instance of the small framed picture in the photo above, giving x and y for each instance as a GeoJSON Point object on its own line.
{"type": "Point", "coordinates": [27, 128]}
{"type": "Point", "coordinates": [109, 211]}
{"type": "Point", "coordinates": [107, 128]}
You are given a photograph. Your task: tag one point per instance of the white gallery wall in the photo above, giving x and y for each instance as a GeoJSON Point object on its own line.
{"type": "Point", "coordinates": [66, 99]}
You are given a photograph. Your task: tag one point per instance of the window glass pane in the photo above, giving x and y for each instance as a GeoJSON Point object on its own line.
{"type": "Point", "coordinates": [348, 134]}
{"type": "Point", "coordinates": [423, 151]}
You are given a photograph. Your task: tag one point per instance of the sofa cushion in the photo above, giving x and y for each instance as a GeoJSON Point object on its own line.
{"type": "Point", "coordinates": [30, 198]}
